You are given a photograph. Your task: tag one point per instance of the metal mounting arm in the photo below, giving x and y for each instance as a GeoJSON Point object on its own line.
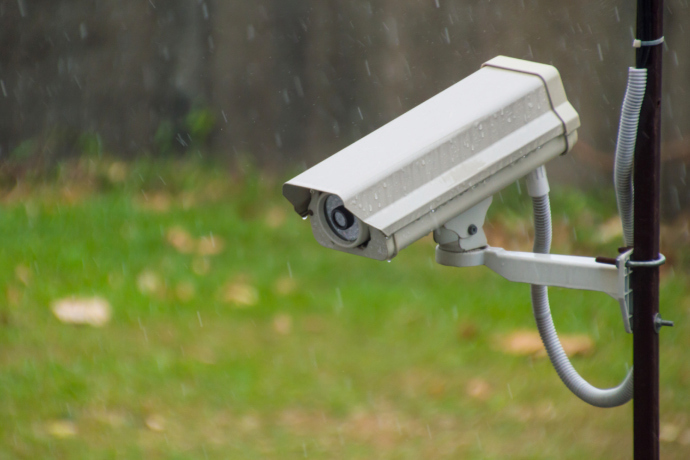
{"type": "Point", "coordinates": [462, 243]}
{"type": "Point", "coordinates": [572, 272]}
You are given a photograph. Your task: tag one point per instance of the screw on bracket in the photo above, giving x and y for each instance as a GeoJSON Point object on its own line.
{"type": "Point", "coordinates": [659, 323]}
{"type": "Point", "coordinates": [472, 229]}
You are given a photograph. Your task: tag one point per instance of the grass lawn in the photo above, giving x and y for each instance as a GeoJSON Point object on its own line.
{"type": "Point", "coordinates": [234, 335]}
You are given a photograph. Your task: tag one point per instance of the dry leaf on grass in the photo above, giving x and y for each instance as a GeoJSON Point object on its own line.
{"type": "Point", "coordinates": [610, 230]}
{"type": "Point", "coordinates": [158, 202]}
{"type": "Point", "coordinates": [149, 282]}
{"type": "Point", "coordinates": [94, 311]}
{"type": "Point", "coordinates": [210, 245]}
{"type": "Point", "coordinates": [668, 432]}
{"type": "Point", "coordinates": [478, 389]}
{"type": "Point", "coordinates": [524, 343]}
{"type": "Point", "coordinates": [285, 285]}
{"type": "Point", "coordinates": [155, 423]}
{"type": "Point", "coordinates": [240, 293]}
{"type": "Point", "coordinates": [62, 429]}
{"type": "Point", "coordinates": [275, 216]}
{"type": "Point", "coordinates": [181, 240]}
{"type": "Point", "coordinates": [185, 243]}
{"type": "Point", "coordinates": [117, 172]}
{"type": "Point", "coordinates": [23, 274]}
{"type": "Point", "coordinates": [282, 324]}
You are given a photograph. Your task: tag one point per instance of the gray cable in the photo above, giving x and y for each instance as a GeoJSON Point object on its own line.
{"type": "Point", "coordinates": [609, 397]}
{"type": "Point", "coordinates": [625, 149]}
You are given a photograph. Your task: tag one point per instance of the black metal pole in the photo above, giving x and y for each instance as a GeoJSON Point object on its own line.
{"type": "Point", "coordinates": [646, 181]}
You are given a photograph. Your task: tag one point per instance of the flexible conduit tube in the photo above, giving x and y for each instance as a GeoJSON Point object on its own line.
{"type": "Point", "coordinates": [625, 148]}
{"type": "Point", "coordinates": [609, 397]}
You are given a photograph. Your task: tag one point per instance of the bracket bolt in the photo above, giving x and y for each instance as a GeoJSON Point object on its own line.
{"type": "Point", "coordinates": [472, 229]}
{"type": "Point", "coordinates": [659, 323]}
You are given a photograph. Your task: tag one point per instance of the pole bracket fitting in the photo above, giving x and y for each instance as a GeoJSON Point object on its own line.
{"type": "Point", "coordinates": [659, 323]}
{"type": "Point", "coordinates": [661, 260]}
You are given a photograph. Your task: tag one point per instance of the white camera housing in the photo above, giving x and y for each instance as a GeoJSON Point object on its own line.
{"type": "Point", "coordinates": [441, 158]}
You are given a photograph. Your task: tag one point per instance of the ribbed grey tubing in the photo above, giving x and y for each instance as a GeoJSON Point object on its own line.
{"type": "Point", "coordinates": [625, 148]}
{"type": "Point", "coordinates": [609, 397]}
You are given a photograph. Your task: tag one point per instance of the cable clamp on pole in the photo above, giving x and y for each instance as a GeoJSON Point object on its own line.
{"type": "Point", "coordinates": [646, 263]}
{"type": "Point", "coordinates": [640, 43]}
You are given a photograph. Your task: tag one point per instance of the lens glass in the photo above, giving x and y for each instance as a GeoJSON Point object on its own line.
{"type": "Point", "coordinates": [341, 221]}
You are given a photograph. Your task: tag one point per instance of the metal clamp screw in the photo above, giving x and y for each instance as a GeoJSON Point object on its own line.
{"type": "Point", "coordinates": [659, 323]}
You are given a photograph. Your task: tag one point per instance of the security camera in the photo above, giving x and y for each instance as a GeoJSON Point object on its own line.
{"type": "Point", "coordinates": [438, 160]}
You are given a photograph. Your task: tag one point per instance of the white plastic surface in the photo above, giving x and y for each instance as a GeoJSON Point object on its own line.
{"type": "Point", "coordinates": [447, 154]}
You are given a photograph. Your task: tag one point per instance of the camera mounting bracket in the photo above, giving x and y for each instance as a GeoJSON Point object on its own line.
{"type": "Point", "coordinates": [573, 272]}
{"type": "Point", "coordinates": [465, 232]}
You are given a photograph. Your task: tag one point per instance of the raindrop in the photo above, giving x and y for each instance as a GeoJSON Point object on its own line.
{"type": "Point", "coordinates": [360, 113]}
{"type": "Point", "coordinates": [83, 33]}
{"type": "Point", "coordinates": [2, 86]}
{"type": "Point", "coordinates": [22, 8]}
{"type": "Point", "coordinates": [279, 141]}
{"type": "Point", "coordinates": [437, 4]}
{"type": "Point", "coordinates": [198, 315]}
{"type": "Point", "coordinates": [298, 86]}
{"type": "Point", "coordinates": [251, 33]}
{"type": "Point", "coordinates": [601, 55]}
{"type": "Point", "coordinates": [204, 8]}
{"type": "Point", "coordinates": [366, 64]}
{"type": "Point", "coordinates": [305, 217]}
{"type": "Point", "coordinates": [289, 269]}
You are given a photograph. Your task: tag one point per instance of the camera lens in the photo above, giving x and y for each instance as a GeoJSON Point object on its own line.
{"type": "Point", "coordinates": [342, 218]}
{"type": "Point", "coordinates": [341, 221]}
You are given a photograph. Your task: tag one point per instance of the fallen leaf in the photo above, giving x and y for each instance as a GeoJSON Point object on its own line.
{"type": "Point", "coordinates": [241, 294]}
{"type": "Point", "coordinates": [285, 285]}
{"type": "Point", "coordinates": [117, 172]}
{"type": "Point", "coordinates": [524, 343]}
{"type": "Point", "coordinates": [210, 245]}
{"type": "Point", "coordinates": [181, 240]}
{"type": "Point", "coordinates": [275, 217]}
{"type": "Point", "coordinates": [155, 423]}
{"type": "Point", "coordinates": [467, 331]}
{"type": "Point", "coordinates": [149, 282]}
{"type": "Point", "coordinates": [158, 202]}
{"type": "Point", "coordinates": [668, 432]}
{"type": "Point", "coordinates": [94, 311]}
{"type": "Point", "coordinates": [610, 230]}
{"type": "Point", "coordinates": [478, 389]}
{"type": "Point", "coordinates": [14, 295]}
{"type": "Point", "coordinates": [577, 345]}
{"type": "Point", "coordinates": [282, 324]}
{"type": "Point", "coordinates": [62, 429]}
{"type": "Point", "coordinates": [23, 274]}
{"type": "Point", "coordinates": [437, 388]}
{"type": "Point", "coordinates": [521, 343]}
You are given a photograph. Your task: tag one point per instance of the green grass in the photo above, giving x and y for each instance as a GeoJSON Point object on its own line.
{"type": "Point", "coordinates": [339, 357]}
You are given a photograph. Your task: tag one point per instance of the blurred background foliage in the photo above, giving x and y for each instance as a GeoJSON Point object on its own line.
{"type": "Point", "coordinates": [289, 82]}
{"type": "Point", "coordinates": [158, 299]}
